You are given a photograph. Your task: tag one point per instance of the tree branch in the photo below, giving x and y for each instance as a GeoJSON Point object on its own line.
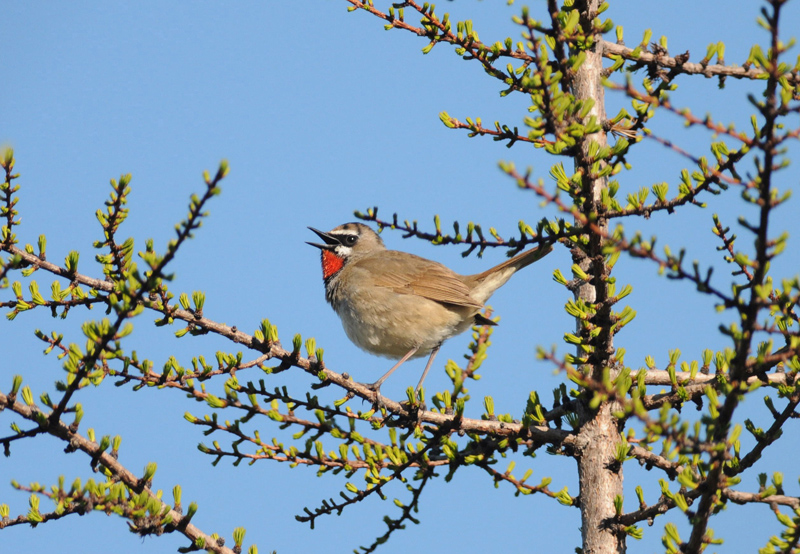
{"type": "Point", "coordinates": [76, 441]}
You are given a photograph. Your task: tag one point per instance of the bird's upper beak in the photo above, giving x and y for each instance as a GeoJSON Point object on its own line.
{"type": "Point", "coordinates": [331, 241]}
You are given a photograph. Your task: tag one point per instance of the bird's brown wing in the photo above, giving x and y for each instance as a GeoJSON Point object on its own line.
{"type": "Point", "coordinates": [409, 274]}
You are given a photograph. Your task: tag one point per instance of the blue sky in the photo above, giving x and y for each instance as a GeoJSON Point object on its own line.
{"type": "Point", "coordinates": [321, 112]}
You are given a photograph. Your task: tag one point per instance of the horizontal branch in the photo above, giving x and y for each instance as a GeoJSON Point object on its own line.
{"type": "Point", "coordinates": [665, 504]}
{"type": "Point", "coordinates": [695, 388]}
{"type": "Point", "coordinates": [708, 70]}
{"type": "Point", "coordinates": [274, 350]}
{"type": "Point", "coordinates": [750, 497]}
{"type": "Point", "coordinates": [652, 459]}
{"type": "Point", "coordinates": [661, 377]}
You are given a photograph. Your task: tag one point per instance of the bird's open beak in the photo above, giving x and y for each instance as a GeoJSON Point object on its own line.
{"type": "Point", "coordinates": [331, 241]}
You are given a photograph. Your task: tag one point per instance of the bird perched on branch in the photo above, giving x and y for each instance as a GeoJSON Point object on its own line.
{"type": "Point", "coordinates": [399, 305]}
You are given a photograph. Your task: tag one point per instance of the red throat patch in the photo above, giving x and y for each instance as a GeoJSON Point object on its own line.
{"type": "Point", "coordinates": [331, 264]}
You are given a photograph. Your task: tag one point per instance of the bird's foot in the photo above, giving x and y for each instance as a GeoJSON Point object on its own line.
{"type": "Point", "coordinates": [420, 407]}
{"type": "Point", "coordinates": [378, 403]}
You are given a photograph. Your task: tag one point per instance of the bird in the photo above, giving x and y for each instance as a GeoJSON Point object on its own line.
{"type": "Point", "coordinates": [399, 305]}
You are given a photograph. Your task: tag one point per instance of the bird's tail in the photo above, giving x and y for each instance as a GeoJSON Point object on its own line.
{"type": "Point", "coordinates": [490, 280]}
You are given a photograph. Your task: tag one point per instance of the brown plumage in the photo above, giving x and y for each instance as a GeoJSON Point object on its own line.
{"type": "Point", "coordinates": [400, 305]}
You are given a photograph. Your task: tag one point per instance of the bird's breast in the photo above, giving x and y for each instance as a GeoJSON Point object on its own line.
{"type": "Point", "coordinates": [390, 324]}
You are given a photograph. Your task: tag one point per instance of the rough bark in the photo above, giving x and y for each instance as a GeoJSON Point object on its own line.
{"type": "Point", "coordinates": [600, 478]}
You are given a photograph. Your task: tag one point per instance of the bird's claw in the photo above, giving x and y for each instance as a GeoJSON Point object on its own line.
{"type": "Point", "coordinates": [378, 403]}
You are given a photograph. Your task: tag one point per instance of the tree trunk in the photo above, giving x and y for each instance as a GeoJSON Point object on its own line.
{"type": "Point", "coordinates": [600, 478]}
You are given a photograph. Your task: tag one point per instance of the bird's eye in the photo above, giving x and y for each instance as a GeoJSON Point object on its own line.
{"type": "Point", "coordinates": [350, 240]}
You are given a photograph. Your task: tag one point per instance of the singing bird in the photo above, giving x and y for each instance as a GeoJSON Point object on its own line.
{"type": "Point", "coordinates": [399, 305]}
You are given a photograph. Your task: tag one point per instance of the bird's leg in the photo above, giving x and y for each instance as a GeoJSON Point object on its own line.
{"type": "Point", "coordinates": [376, 386]}
{"type": "Point", "coordinates": [427, 368]}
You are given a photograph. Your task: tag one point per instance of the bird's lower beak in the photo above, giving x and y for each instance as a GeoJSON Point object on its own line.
{"type": "Point", "coordinates": [331, 241]}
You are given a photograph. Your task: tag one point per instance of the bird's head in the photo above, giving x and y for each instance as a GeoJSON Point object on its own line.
{"type": "Point", "coordinates": [345, 243]}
